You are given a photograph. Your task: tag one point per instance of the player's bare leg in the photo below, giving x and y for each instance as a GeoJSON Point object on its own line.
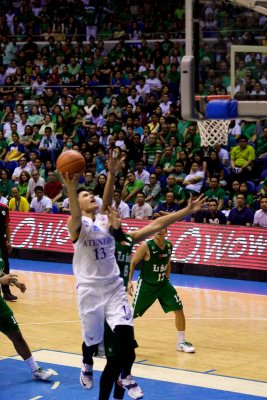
{"type": "Point", "coordinates": [180, 326]}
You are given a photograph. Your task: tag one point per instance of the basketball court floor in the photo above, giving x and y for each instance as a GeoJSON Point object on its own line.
{"type": "Point", "coordinates": [226, 321]}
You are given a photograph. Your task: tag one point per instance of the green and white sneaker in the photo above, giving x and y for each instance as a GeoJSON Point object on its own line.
{"type": "Point", "coordinates": [186, 347]}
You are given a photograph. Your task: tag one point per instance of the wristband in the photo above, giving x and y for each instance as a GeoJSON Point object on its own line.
{"type": "Point", "coordinates": [118, 234]}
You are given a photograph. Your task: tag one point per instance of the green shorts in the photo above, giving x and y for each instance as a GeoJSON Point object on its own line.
{"type": "Point", "coordinates": [8, 322]}
{"type": "Point", "coordinates": [111, 342]}
{"type": "Point", "coordinates": [146, 294]}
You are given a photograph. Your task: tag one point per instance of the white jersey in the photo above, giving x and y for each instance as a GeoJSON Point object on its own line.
{"type": "Point", "coordinates": [94, 256]}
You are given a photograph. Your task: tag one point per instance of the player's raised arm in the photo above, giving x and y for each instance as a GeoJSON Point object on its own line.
{"type": "Point", "coordinates": [114, 165]}
{"type": "Point", "coordinates": [74, 221]}
{"type": "Point", "coordinates": [162, 222]}
{"type": "Point", "coordinates": [140, 253]}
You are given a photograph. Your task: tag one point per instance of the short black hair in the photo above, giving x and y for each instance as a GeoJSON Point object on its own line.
{"type": "Point", "coordinates": [38, 188]}
{"type": "Point", "coordinates": [81, 189]}
{"type": "Point", "coordinates": [213, 200]}
{"type": "Point", "coordinates": [242, 137]}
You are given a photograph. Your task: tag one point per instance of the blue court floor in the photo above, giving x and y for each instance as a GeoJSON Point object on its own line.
{"type": "Point", "coordinates": [16, 382]}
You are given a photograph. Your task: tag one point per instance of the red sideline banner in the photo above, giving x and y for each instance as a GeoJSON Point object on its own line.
{"type": "Point", "coordinates": [217, 245]}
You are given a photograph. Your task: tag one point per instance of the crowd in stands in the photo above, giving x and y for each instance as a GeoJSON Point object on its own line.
{"type": "Point", "coordinates": [72, 93]}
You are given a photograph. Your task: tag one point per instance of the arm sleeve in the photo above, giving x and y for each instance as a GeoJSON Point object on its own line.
{"type": "Point", "coordinates": [118, 234]}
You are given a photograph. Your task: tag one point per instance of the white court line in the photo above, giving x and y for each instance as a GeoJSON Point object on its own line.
{"type": "Point", "coordinates": [235, 385]}
{"type": "Point", "coordinates": [56, 385]}
{"type": "Point", "coordinates": [150, 319]}
{"type": "Point", "coordinates": [36, 398]}
{"type": "Point", "coordinates": [176, 286]}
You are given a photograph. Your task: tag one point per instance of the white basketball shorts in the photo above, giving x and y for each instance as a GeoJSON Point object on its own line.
{"type": "Point", "coordinates": [99, 302]}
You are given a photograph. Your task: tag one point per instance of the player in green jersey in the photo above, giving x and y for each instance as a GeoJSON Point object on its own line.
{"type": "Point", "coordinates": [123, 250]}
{"type": "Point", "coordinates": [153, 284]}
{"type": "Point", "coordinates": [10, 328]}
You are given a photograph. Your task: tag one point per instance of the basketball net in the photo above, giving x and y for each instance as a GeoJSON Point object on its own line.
{"type": "Point", "coordinates": [213, 131]}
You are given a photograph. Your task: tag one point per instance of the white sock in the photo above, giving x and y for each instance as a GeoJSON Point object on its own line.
{"type": "Point", "coordinates": [32, 364]}
{"type": "Point", "coordinates": [181, 336]}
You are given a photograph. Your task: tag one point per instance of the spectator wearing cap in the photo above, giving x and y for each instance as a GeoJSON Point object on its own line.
{"type": "Point", "coordinates": [241, 214]}
{"type": "Point", "coordinates": [242, 157]}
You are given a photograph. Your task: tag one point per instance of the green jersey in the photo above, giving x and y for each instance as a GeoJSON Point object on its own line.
{"type": "Point", "coordinates": [123, 252]}
{"type": "Point", "coordinates": [154, 270]}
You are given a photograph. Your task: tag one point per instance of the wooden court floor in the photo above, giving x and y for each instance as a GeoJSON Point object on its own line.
{"type": "Point", "coordinates": [228, 329]}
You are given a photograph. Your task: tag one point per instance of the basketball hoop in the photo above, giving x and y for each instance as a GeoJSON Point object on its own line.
{"type": "Point", "coordinates": [213, 131]}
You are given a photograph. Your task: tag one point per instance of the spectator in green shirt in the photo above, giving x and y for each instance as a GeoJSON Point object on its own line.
{"type": "Point", "coordinates": [3, 146]}
{"type": "Point", "coordinates": [152, 152]}
{"type": "Point", "coordinates": [6, 184]}
{"type": "Point", "coordinates": [192, 133]}
{"type": "Point", "coordinates": [261, 143]}
{"type": "Point", "coordinates": [248, 196]}
{"type": "Point", "coordinates": [177, 190]}
{"type": "Point", "coordinates": [168, 160]}
{"type": "Point", "coordinates": [132, 186]}
{"type": "Point", "coordinates": [242, 157]}
{"type": "Point", "coordinates": [216, 192]}
{"type": "Point", "coordinates": [248, 128]}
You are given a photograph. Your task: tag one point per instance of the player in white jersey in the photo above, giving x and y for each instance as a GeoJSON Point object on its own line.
{"type": "Point", "coordinates": [101, 292]}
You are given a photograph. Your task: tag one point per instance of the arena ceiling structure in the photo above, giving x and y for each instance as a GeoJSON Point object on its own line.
{"type": "Point", "coordinates": [259, 6]}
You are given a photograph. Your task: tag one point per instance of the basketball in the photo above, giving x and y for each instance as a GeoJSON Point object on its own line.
{"type": "Point", "coordinates": [70, 161]}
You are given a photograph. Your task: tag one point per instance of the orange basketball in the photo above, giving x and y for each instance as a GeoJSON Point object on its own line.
{"type": "Point", "coordinates": [70, 161]}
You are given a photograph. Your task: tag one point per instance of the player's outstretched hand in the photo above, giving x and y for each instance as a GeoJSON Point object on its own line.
{"type": "Point", "coordinates": [130, 288]}
{"type": "Point", "coordinates": [70, 180]}
{"type": "Point", "coordinates": [8, 279]}
{"type": "Point", "coordinates": [196, 205]}
{"type": "Point", "coordinates": [113, 218]}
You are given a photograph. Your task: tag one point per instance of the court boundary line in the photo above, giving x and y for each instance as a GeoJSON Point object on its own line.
{"type": "Point", "coordinates": [182, 287]}
{"type": "Point", "coordinates": [18, 358]}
